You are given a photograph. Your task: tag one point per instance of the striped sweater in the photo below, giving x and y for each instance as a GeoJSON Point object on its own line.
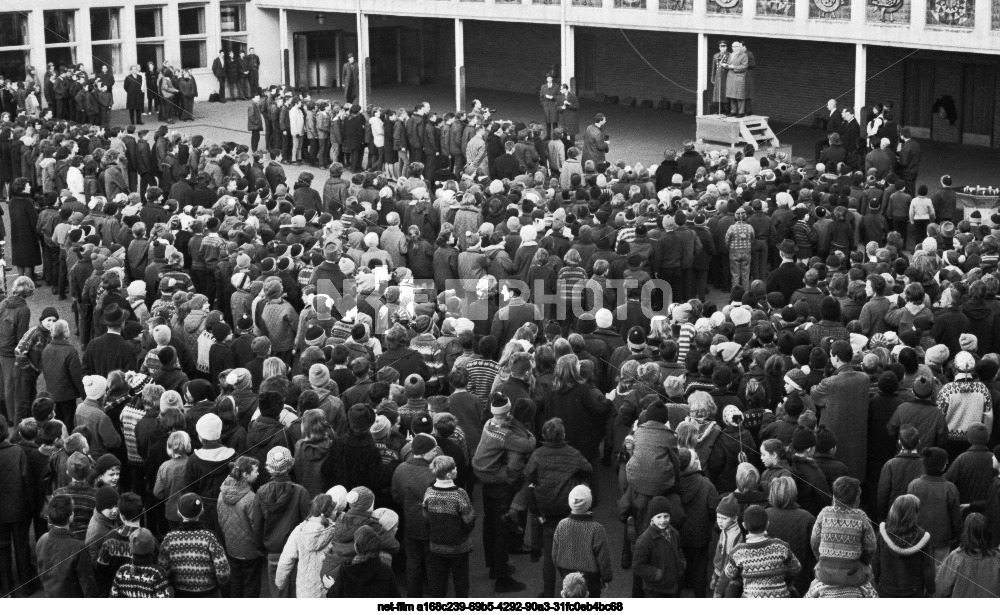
{"type": "Point", "coordinates": [762, 568]}
{"type": "Point", "coordinates": [964, 402]}
{"type": "Point", "coordinates": [84, 498]}
{"type": "Point", "coordinates": [194, 559]}
{"type": "Point", "coordinates": [432, 354]}
{"type": "Point", "coordinates": [130, 417]}
{"type": "Point", "coordinates": [141, 581]}
{"type": "Point", "coordinates": [450, 519]}
{"type": "Point", "coordinates": [482, 373]}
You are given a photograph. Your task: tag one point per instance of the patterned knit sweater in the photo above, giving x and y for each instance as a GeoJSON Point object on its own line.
{"type": "Point", "coordinates": [84, 498]}
{"type": "Point", "coordinates": [842, 535]}
{"type": "Point", "coordinates": [580, 544]}
{"type": "Point", "coordinates": [144, 581]}
{"type": "Point", "coordinates": [130, 416]}
{"type": "Point", "coordinates": [762, 567]}
{"type": "Point", "coordinates": [482, 372]}
{"type": "Point", "coordinates": [194, 559]}
{"type": "Point", "coordinates": [450, 519]}
{"type": "Point", "coordinates": [819, 589]}
{"type": "Point", "coordinates": [963, 403]}
{"type": "Point", "coordinates": [280, 320]}
{"type": "Point", "coordinates": [432, 354]}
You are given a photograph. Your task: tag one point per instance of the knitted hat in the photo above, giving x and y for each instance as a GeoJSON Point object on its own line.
{"type": "Point", "coordinates": [366, 541]}
{"type": "Point", "coordinates": [221, 331]}
{"type": "Point", "coordinates": [728, 507]}
{"type": "Point", "coordinates": [361, 498]}
{"type": "Point", "coordinates": [796, 377]}
{"type": "Point", "coordinates": [965, 362]}
{"type": "Point", "coordinates": [279, 461]}
{"type": "Point", "coordinates": [270, 404]}
{"type": "Point", "coordinates": [636, 338]}
{"type": "Point", "coordinates": [190, 506]}
{"type": "Point", "coordinates": [95, 386]}
{"type": "Point", "coordinates": [105, 463]}
{"type": "Point", "coordinates": [580, 500]}
{"type": "Point", "coordinates": [261, 346]}
{"type": "Point", "coordinates": [803, 439]}
{"type": "Point", "coordinates": [740, 316]}
{"type": "Point", "coordinates": [414, 386]}
{"type": "Point", "coordinates": [142, 542]}
{"type": "Point", "coordinates": [209, 427]}
{"type": "Point", "coordinates": [500, 404]}
{"type": "Point", "coordinates": [937, 355]}
{"type": "Point", "coordinates": [106, 497]}
{"type": "Point", "coordinates": [78, 466]}
{"type": "Point", "coordinates": [161, 335]}
{"type": "Point", "coordinates": [240, 378]}
{"type": "Point", "coordinates": [319, 375]}
{"type": "Point", "coordinates": [659, 505]}
{"type": "Point", "coordinates": [42, 409]}
{"type": "Point", "coordinates": [604, 318]}
{"type": "Point", "coordinates": [422, 444]}
{"type": "Point", "coordinates": [888, 383]}
{"type": "Point", "coordinates": [380, 428]}
{"type": "Point", "coordinates": [978, 434]}
{"type": "Point", "coordinates": [387, 518]}
{"type": "Point", "coordinates": [657, 412]}
{"type": "Point", "coordinates": [49, 312]}
{"type": "Point", "coordinates": [935, 460]}
{"type": "Point", "coordinates": [360, 417]}
{"type": "Point", "coordinates": [826, 440]}
{"type": "Point", "coordinates": [923, 387]}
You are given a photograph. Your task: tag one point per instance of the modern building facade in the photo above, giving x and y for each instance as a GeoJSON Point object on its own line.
{"type": "Point", "coordinates": [935, 60]}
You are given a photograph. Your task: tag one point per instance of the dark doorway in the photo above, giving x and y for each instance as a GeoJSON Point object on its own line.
{"type": "Point", "coordinates": [586, 60]}
{"type": "Point", "coordinates": [978, 94]}
{"type": "Point", "coordinates": [316, 59]}
{"type": "Point", "coordinates": [918, 97]}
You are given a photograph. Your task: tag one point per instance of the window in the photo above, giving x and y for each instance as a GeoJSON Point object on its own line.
{"type": "Point", "coordinates": [194, 54]}
{"type": "Point", "coordinates": [149, 36]}
{"type": "Point", "coordinates": [192, 20]}
{"type": "Point", "coordinates": [233, 17]}
{"type": "Point", "coordinates": [194, 43]}
{"type": "Point", "coordinates": [60, 27]}
{"type": "Point", "coordinates": [105, 32]}
{"type": "Point", "coordinates": [148, 22]}
{"type": "Point", "coordinates": [13, 63]}
{"type": "Point", "coordinates": [14, 30]}
{"type": "Point", "coordinates": [60, 37]}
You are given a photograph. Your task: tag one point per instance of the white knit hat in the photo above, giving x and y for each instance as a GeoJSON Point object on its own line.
{"type": "Point", "coordinates": [209, 427]}
{"type": "Point", "coordinates": [95, 386]}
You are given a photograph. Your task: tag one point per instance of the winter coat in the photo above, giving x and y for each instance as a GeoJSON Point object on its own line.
{"type": "Point", "coordinates": [582, 414]}
{"type": "Point", "coordinates": [410, 482]}
{"type": "Point", "coordinates": [237, 503]}
{"type": "Point", "coordinates": [555, 469]}
{"type": "Point", "coordinates": [279, 507]}
{"type": "Point", "coordinates": [370, 578]}
{"type": "Point", "coordinates": [940, 511]}
{"type": "Point", "coordinates": [66, 570]}
{"type": "Point", "coordinates": [309, 458]}
{"type": "Point", "coordinates": [903, 566]}
{"type": "Point", "coordinates": [24, 247]}
{"type": "Point", "coordinates": [306, 549]}
{"type": "Point", "coordinates": [699, 498]}
{"type": "Point", "coordinates": [794, 526]}
{"type": "Point", "coordinates": [341, 548]}
{"type": "Point", "coordinates": [62, 371]}
{"type": "Point", "coordinates": [658, 560]}
{"type": "Point", "coordinates": [843, 398]}
{"type": "Point", "coordinates": [354, 461]}
{"type": "Point", "coordinates": [724, 458]}
{"type": "Point", "coordinates": [15, 506]}
{"type": "Point", "coordinates": [654, 466]}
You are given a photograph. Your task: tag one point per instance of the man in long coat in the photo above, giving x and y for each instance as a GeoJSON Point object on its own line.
{"type": "Point", "coordinates": [569, 121]}
{"type": "Point", "coordinates": [736, 80]}
{"type": "Point", "coordinates": [595, 144]}
{"type": "Point", "coordinates": [842, 401]}
{"type": "Point", "coordinates": [350, 79]}
{"type": "Point", "coordinates": [548, 95]}
{"type": "Point", "coordinates": [719, 61]}
{"type": "Point", "coordinates": [133, 95]}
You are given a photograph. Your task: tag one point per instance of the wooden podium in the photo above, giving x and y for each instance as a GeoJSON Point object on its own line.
{"type": "Point", "coordinates": [725, 129]}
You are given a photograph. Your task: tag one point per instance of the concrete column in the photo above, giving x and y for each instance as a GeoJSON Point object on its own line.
{"type": "Point", "coordinates": [399, 54]}
{"type": "Point", "coordinates": [127, 23]}
{"type": "Point", "coordinates": [918, 16]}
{"type": "Point", "coordinates": [364, 61]}
{"type": "Point", "coordinates": [36, 38]}
{"type": "Point", "coordinates": [213, 27]}
{"type": "Point", "coordinates": [568, 70]}
{"type": "Point", "coordinates": [703, 69]}
{"type": "Point", "coordinates": [459, 64]}
{"type": "Point", "coordinates": [171, 37]}
{"type": "Point", "coordinates": [283, 44]}
{"type": "Point", "coordinates": [860, 74]}
{"type": "Point", "coordinates": [84, 48]}
{"type": "Point", "coordinates": [337, 60]}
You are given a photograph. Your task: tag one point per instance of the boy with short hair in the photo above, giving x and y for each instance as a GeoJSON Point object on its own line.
{"type": "Point", "coordinates": [761, 567]}
{"type": "Point", "coordinates": [192, 556]}
{"type": "Point", "coordinates": [450, 521]}
{"type": "Point", "coordinates": [142, 577]}
{"type": "Point", "coordinates": [940, 510]}
{"type": "Point", "coordinates": [657, 558]}
{"type": "Point", "coordinates": [82, 495]}
{"type": "Point", "coordinates": [63, 562]}
{"type": "Point", "coordinates": [900, 471]}
{"type": "Point", "coordinates": [102, 525]}
{"type": "Point", "coordinates": [116, 549]}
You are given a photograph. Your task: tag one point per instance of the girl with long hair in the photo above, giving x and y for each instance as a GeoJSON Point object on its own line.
{"type": "Point", "coordinates": [235, 510]}
{"type": "Point", "coordinates": [903, 567]}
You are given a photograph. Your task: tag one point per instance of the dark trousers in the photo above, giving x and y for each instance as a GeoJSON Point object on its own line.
{"type": "Point", "coordinates": [66, 411]}
{"type": "Point", "coordinates": [198, 277]}
{"type": "Point", "coordinates": [187, 108]}
{"type": "Point", "coordinates": [440, 567]}
{"type": "Point", "coordinates": [548, 567]}
{"type": "Point", "coordinates": [900, 226]}
{"type": "Point", "coordinates": [354, 158]}
{"type": "Point", "coordinates": [222, 90]}
{"type": "Point", "coordinates": [416, 154]}
{"type": "Point", "coordinates": [286, 146]}
{"type": "Point", "coordinates": [700, 283]}
{"type": "Point", "coordinates": [496, 537]}
{"type": "Point", "coordinates": [430, 166]}
{"type": "Point", "coordinates": [254, 140]}
{"type": "Point", "coordinates": [152, 100]}
{"type": "Point", "coordinates": [696, 573]}
{"type": "Point", "coordinates": [416, 566]}
{"type": "Point", "coordinates": [25, 391]}
{"type": "Point", "coordinates": [323, 145]}
{"type": "Point", "coordinates": [63, 282]}
{"type": "Point", "coordinates": [62, 109]}
{"type": "Point", "coordinates": [50, 265]}
{"type": "Point", "coordinates": [672, 276]}
{"type": "Point", "coordinates": [244, 578]}
{"type": "Point", "coordinates": [212, 593]}
{"type": "Point", "coordinates": [920, 230]}
{"type": "Point", "coordinates": [135, 116]}
{"type": "Point", "coordinates": [758, 261]}
{"type": "Point", "coordinates": [15, 552]}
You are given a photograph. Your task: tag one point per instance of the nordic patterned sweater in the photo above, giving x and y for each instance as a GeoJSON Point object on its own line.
{"type": "Point", "coordinates": [450, 519]}
{"type": "Point", "coordinates": [843, 535]}
{"type": "Point", "coordinates": [194, 559]}
{"type": "Point", "coordinates": [84, 499]}
{"type": "Point", "coordinates": [580, 544]}
{"type": "Point", "coordinates": [762, 567]}
{"type": "Point", "coordinates": [964, 402]}
{"type": "Point", "coordinates": [141, 581]}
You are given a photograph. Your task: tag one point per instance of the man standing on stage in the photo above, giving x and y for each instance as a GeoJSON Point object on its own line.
{"type": "Point", "coordinates": [253, 64]}
{"type": "Point", "coordinates": [350, 79]}
{"type": "Point", "coordinates": [719, 77]}
{"type": "Point", "coordinates": [736, 78]}
{"type": "Point", "coordinates": [547, 96]}
{"type": "Point", "coordinates": [751, 79]}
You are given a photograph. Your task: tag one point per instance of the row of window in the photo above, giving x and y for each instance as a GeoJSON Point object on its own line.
{"type": "Point", "coordinates": [105, 34]}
